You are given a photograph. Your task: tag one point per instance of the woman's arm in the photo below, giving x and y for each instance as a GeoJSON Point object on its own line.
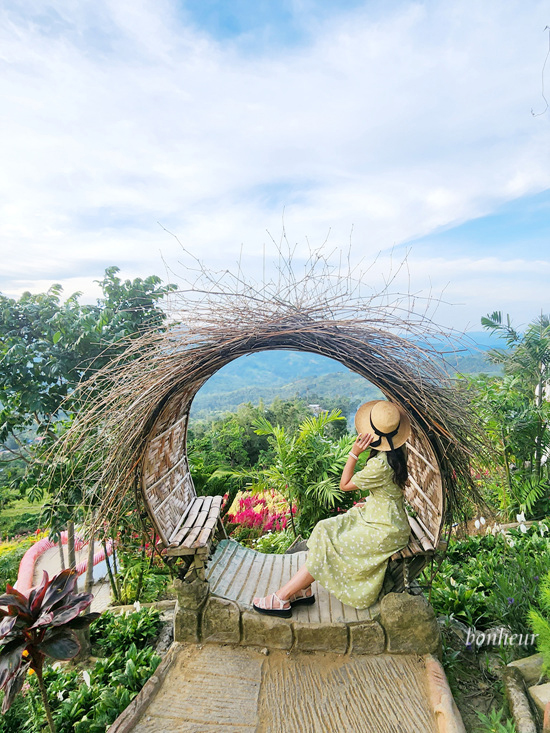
{"type": "Point", "coordinates": [360, 445]}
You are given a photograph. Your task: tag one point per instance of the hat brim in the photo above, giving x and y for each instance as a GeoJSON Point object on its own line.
{"type": "Point", "coordinates": [363, 425]}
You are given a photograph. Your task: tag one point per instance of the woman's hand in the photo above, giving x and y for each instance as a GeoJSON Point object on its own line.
{"type": "Point", "coordinates": [362, 443]}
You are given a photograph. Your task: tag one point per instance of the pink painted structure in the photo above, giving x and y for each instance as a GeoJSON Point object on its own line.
{"type": "Point", "coordinates": [28, 561]}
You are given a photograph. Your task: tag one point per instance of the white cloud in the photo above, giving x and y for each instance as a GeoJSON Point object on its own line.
{"type": "Point", "coordinates": [119, 117]}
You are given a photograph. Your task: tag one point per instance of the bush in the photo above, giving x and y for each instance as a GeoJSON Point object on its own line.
{"type": "Point", "coordinates": [11, 554]}
{"type": "Point", "coordinates": [83, 701]}
{"type": "Point", "coordinates": [488, 580]}
{"type": "Point", "coordinates": [275, 543]}
{"type": "Point", "coordinates": [112, 632]}
{"type": "Point", "coordinates": [23, 524]}
{"type": "Point", "coordinates": [89, 701]}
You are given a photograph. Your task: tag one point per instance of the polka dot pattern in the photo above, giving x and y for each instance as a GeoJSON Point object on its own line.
{"type": "Point", "coordinates": [348, 554]}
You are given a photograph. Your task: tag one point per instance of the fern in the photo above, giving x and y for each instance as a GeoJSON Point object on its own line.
{"type": "Point", "coordinates": [540, 624]}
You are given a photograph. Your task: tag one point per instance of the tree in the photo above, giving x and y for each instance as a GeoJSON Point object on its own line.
{"type": "Point", "coordinates": [514, 408]}
{"type": "Point", "coordinates": [48, 346]}
{"type": "Point", "coordinates": [527, 360]}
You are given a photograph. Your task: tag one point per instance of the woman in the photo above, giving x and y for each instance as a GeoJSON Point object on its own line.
{"type": "Point", "coordinates": [348, 554]}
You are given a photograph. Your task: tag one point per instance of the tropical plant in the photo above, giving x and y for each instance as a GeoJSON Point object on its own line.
{"type": "Point", "coordinates": [306, 468]}
{"type": "Point", "coordinates": [47, 346]}
{"type": "Point", "coordinates": [492, 580]}
{"type": "Point", "coordinates": [38, 627]}
{"type": "Point", "coordinates": [112, 632]}
{"type": "Point", "coordinates": [495, 721]}
{"type": "Point", "coordinates": [83, 700]}
{"type": "Point", "coordinates": [539, 620]}
{"type": "Point", "coordinates": [526, 360]}
{"type": "Point", "coordinates": [274, 543]}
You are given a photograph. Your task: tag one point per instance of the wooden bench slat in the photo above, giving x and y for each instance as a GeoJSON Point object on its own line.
{"type": "Point", "coordinates": [187, 520]}
{"type": "Point", "coordinates": [198, 524]}
{"type": "Point", "coordinates": [205, 532]}
{"type": "Point", "coordinates": [178, 550]}
{"type": "Point", "coordinates": [415, 547]}
{"type": "Point", "coordinates": [193, 529]}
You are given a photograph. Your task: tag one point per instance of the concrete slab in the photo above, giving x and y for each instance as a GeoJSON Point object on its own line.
{"type": "Point", "coordinates": [230, 689]}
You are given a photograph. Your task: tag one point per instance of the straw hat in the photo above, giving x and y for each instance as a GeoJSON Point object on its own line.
{"type": "Point", "coordinates": [389, 422]}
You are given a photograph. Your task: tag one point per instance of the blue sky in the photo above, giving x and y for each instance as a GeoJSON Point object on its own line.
{"type": "Point", "coordinates": [404, 128]}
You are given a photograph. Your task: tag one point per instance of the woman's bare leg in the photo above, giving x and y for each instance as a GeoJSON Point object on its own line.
{"type": "Point", "coordinates": [300, 580]}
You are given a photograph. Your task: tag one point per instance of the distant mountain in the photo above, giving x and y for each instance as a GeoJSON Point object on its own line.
{"type": "Point", "coordinates": [269, 368]}
{"type": "Point", "coordinates": [290, 374]}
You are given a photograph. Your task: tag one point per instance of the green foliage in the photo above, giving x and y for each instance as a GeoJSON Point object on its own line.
{"type": "Point", "coordinates": [38, 627]}
{"type": "Point", "coordinates": [140, 582]}
{"type": "Point", "coordinates": [84, 701]}
{"type": "Point", "coordinates": [112, 632]}
{"type": "Point", "coordinates": [24, 523]}
{"type": "Point", "coordinates": [495, 722]}
{"type": "Point", "coordinates": [89, 701]}
{"type": "Point", "coordinates": [306, 468]}
{"type": "Point", "coordinates": [539, 620]}
{"type": "Point", "coordinates": [274, 543]}
{"type": "Point", "coordinates": [47, 346]}
{"type": "Point", "coordinates": [489, 580]}
{"type": "Point", "coordinates": [141, 576]}
{"type": "Point", "coordinates": [11, 554]}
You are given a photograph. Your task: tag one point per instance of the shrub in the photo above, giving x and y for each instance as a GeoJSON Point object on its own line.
{"type": "Point", "coordinates": [88, 701]}
{"type": "Point", "coordinates": [111, 633]}
{"type": "Point", "coordinates": [11, 554]}
{"type": "Point", "coordinates": [274, 542]}
{"type": "Point", "coordinates": [22, 524]}
{"type": "Point", "coordinates": [492, 580]}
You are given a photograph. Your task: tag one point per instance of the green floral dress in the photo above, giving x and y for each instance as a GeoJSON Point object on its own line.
{"type": "Point", "coordinates": [348, 553]}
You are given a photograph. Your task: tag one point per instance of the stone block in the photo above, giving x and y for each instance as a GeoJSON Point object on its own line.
{"type": "Point", "coordinates": [186, 625]}
{"type": "Point", "coordinates": [367, 637]}
{"type": "Point", "coordinates": [410, 624]}
{"type": "Point", "coordinates": [530, 668]}
{"type": "Point", "coordinates": [321, 637]}
{"type": "Point", "coordinates": [540, 695]}
{"type": "Point", "coordinates": [191, 595]}
{"type": "Point", "coordinates": [266, 631]}
{"type": "Point", "coordinates": [221, 621]}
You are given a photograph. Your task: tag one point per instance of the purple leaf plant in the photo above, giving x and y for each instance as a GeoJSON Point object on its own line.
{"type": "Point", "coordinates": [39, 626]}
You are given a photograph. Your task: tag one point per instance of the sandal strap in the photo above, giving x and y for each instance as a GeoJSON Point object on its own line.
{"type": "Point", "coordinates": [267, 602]}
{"type": "Point", "coordinates": [302, 593]}
{"type": "Point", "coordinates": [274, 595]}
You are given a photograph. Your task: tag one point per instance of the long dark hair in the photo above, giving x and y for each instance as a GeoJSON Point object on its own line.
{"type": "Point", "coordinates": [397, 461]}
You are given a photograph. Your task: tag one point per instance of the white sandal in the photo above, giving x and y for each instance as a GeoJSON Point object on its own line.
{"type": "Point", "coordinates": [301, 598]}
{"type": "Point", "coordinates": [265, 605]}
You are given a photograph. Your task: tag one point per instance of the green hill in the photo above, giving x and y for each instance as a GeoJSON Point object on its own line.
{"type": "Point", "coordinates": [289, 374]}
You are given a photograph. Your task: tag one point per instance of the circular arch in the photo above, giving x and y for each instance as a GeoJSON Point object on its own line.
{"type": "Point", "coordinates": [132, 431]}
{"type": "Point", "coordinates": [166, 481]}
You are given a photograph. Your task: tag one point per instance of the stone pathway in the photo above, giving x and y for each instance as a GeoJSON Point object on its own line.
{"type": "Point", "coordinates": [226, 689]}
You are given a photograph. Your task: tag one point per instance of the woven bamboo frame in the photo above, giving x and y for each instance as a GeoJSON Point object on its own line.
{"type": "Point", "coordinates": [131, 430]}
{"type": "Point", "coordinates": [166, 481]}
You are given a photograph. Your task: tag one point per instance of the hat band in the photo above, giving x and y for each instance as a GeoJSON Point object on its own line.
{"type": "Point", "coordinates": [388, 436]}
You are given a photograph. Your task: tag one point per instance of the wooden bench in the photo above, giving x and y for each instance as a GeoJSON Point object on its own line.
{"type": "Point", "coordinates": [409, 562]}
{"type": "Point", "coordinates": [194, 533]}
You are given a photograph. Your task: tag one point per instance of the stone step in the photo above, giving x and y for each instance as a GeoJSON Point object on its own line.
{"type": "Point", "coordinates": [227, 689]}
